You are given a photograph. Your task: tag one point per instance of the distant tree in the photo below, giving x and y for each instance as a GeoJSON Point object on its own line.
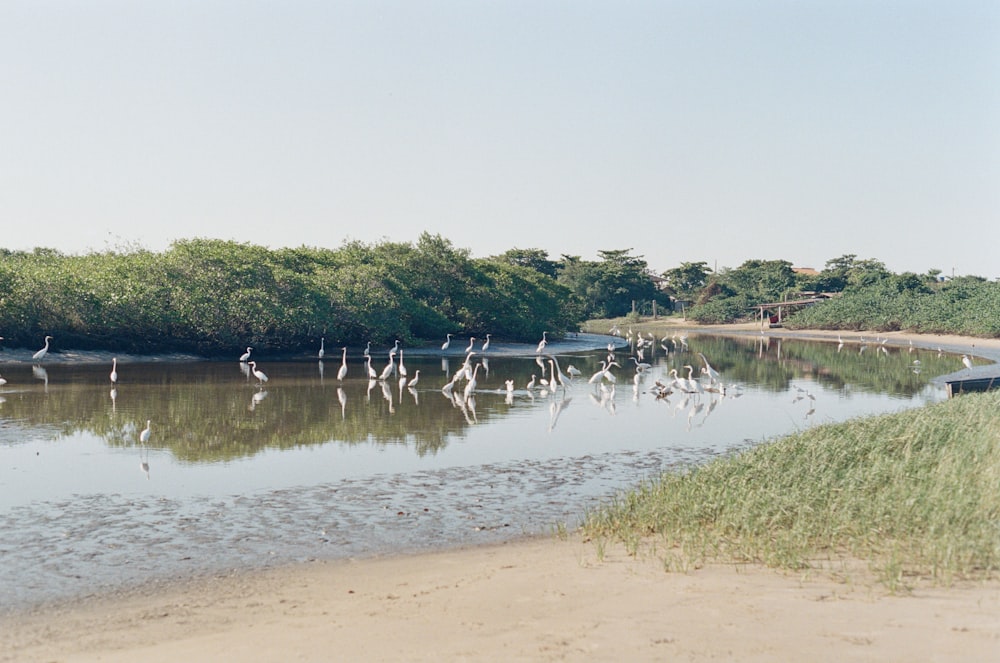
{"type": "Point", "coordinates": [536, 259]}
{"type": "Point", "coordinates": [761, 280]}
{"type": "Point", "coordinates": [686, 280]}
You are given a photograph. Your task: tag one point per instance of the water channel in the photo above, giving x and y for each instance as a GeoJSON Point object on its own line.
{"type": "Point", "coordinates": [242, 474]}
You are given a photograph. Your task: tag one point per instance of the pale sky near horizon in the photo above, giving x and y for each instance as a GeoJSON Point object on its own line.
{"type": "Point", "coordinates": [697, 130]}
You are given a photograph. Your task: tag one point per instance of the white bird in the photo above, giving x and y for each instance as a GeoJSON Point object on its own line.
{"type": "Point", "coordinates": [542, 343]}
{"type": "Point", "coordinates": [472, 342]}
{"type": "Point", "coordinates": [38, 356]}
{"type": "Point", "coordinates": [531, 383]}
{"type": "Point", "coordinates": [470, 386]}
{"type": "Point", "coordinates": [572, 371]}
{"type": "Point", "coordinates": [416, 377]}
{"type": "Point", "coordinates": [114, 370]}
{"type": "Point", "coordinates": [368, 349]}
{"type": "Point", "coordinates": [402, 369]}
{"type": "Point", "coordinates": [713, 375]}
{"type": "Point", "coordinates": [261, 377]}
{"type": "Point", "coordinates": [486, 345]}
{"type": "Point", "coordinates": [342, 373]}
{"type": "Point", "coordinates": [641, 366]}
{"type": "Point", "coordinates": [387, 371]}
{"type": "Point", "coordinates": [447, 343]}
{"type": "Point", "coordinates": [692, 385]}
{"type": "Point", "coordinates": [246, 355]}
{"type": "Point", "coordinates": [144, 435]}
{"type": "Point", "coordinates": [2, 381]}
{"type": "Point", "coordinates": [322, 351]}
{"type": "Point", "coordinates": [371, 371]}
{"type": "Point", "coordinates": [557, 372]}
{"type": "Point", "coordinates": [596, 377]}
{"type": "Point", "coordinates": [967, 361]}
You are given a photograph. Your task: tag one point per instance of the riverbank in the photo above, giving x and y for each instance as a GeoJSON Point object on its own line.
{"type": "Point", "coordinates": [540, 599]}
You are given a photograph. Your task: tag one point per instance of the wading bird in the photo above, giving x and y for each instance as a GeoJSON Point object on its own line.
{"type": "Point", "coordinates": [342, 373]}
{"type": "Point", "coordinates": [447, 343]}
{"type": "Point", "coordinates": [542, 343]}
{"type": "Point", "coordinates": [967, 361]}
{"type": "Point", "coordinates": [40, 355]}
{"type": "Point", "coordinates": [470, 386]}
{"type": "Point", "coordinates": [261, 377]}
{"type": "Point", "coordinates": [486, 345]}
{"type": "Point", "coordinates": [322, 351]}
{"type": "Point", "coordinates": [389, 368]}
{"type": "Point", "coordinates": [246, 355]}
{"type": "Point", "coordinates": [114, 370]}
{"type": "Point", "coordinates": [472, 342]}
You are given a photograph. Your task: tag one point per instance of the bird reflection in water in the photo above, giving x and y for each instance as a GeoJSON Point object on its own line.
{"type": "Point", "coordinates": [41, 374]}
{"type": "Point", "coordinates": [257, 397]}
{"type": "Point", "coordinates": [144, 448]}
{"type": "Point", "coordinates": [342, 398]}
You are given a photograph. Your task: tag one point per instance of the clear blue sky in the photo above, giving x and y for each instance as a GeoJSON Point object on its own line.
{"type": "Point", "coordinates": [706, 130]}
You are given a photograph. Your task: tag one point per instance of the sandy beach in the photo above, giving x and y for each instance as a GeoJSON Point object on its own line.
{"type": "Point", "coordinates": [538, 599]}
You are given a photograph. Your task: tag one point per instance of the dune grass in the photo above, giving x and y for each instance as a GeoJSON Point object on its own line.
{"type": "Point", "coordinates": [917, 494]}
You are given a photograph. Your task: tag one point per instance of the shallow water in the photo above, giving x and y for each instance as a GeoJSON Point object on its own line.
{"type": "Point", "coordinates": [241, 474]}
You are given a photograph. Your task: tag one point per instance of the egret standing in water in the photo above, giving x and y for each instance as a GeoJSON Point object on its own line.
{"type": "Point", "coordinates": [470, 386]}
{"type": "Point", "coordinates": [40, 355]}
{"type": "Point", "coordinates": [486, 345]}
{"type": "Point", "coordinates": [246, 355]}
{"type": "Point", "coordinates": [472, 342]}
{"type": "Point", "coordinates": [967, 361]}
{"type": "Point", "coordinates": [447, 343]}
{"type": "Point", "coordinates": [542, 343]}
{"type": "Point", "coordinates": [114, 370]}
{"type": "Point", "coordinates": [322, 351]}
{"type": "Point", "coordinates": [389, 368]}
{"type": "Point", "coordinates": [261, 377]}
{"type": "Point", "coordinates": [342, 373]}
{"type": "Point", "coordinates": [143, 439]}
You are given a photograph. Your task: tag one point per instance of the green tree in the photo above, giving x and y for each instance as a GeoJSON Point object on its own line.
{"type": "Point", "coordinates": [685, 281]}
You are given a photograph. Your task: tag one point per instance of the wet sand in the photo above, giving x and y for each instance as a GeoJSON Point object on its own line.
{"type": "Point", "coordinates": [536, 599]}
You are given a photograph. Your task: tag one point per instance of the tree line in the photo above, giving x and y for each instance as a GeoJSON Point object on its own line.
{"type": "Point", "coordinates": [865, 296]}
{"type": "Point", "coordinates": [214, 296]}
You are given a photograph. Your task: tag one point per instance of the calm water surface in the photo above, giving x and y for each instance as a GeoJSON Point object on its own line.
{"type": "Point", "coordinates": [242, 474]}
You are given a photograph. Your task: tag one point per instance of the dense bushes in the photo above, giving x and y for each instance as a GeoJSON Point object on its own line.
{"type": "Point", "coordinates": [213, 296]}
{"type": "Point", "coordinates": [968, 306]}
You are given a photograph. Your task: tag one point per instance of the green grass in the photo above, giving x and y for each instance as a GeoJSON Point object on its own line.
{"type": "Point", "coordinates": [917, 494]}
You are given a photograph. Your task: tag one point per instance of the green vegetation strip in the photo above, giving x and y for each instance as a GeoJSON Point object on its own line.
{"type": "Point", "coordinates": [915, 493]}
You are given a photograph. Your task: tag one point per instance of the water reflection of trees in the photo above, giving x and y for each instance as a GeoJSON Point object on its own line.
{"type": "Point", "coordinates": [205, 412]}
{"type": "Point", "coordinates": [773, 363]}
